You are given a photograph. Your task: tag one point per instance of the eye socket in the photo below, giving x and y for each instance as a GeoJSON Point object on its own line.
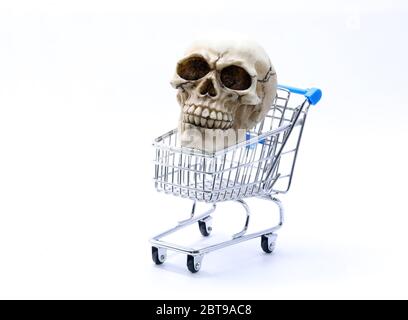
{"type": "Point", "coordinates": [193, 68]}
{"type": "Point", "coordinates": [236, 78]}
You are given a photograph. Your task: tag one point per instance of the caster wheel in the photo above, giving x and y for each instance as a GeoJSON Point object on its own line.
{"type": "Point", "coordinates": [268, 242]}
{"type": "Point", "coordinates": [194, 263]}
{"type": "Point", "coordinates": [203, 229]}
{"type": "Point", "coordinates": [205, 226]}
{"type": "Point", "coordinates": [158, 255]}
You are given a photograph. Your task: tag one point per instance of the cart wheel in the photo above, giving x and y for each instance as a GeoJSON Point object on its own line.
{"type": "Point", "coordinates": [268, 242]}
{"type": "Point", "coordinates": [158, 255]}
{"type": "Point", "coordinates": [205, 226]}
{"type": "Point", "coordinates": [194, 263]}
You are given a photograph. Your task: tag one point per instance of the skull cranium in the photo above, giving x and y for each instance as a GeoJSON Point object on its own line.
{"type": "Point", "coordinates": [224, 88]}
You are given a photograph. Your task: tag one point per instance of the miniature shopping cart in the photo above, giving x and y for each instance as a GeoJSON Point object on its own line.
{"type": "Point", "coordinates": [262, 167]}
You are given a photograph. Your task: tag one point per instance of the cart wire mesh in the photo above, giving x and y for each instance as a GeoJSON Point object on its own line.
{"type": "Point", "coordinates": [261, 165]}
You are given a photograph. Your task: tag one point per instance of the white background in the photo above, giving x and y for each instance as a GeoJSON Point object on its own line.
{"type": "Point", "coordinates": [84, 89]}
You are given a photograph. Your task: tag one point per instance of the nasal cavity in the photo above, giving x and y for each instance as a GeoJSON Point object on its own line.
{"type": "Point", "coordinates": [207, 88]}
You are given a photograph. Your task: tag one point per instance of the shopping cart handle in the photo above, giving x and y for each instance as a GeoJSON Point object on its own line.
{"type": "Point", "coordinates": [313, 95]}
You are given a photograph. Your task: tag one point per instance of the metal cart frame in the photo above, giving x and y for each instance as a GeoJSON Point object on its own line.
{"type": "Point", "coordinates": [262, 167]}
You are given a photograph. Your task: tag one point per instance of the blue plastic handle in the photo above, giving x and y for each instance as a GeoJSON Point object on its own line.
{"type": "Point", "coordinates": [313, 95]}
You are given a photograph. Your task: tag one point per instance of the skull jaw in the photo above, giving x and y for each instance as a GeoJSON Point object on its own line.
{"type": "Point", "coordinates": [209, 140]}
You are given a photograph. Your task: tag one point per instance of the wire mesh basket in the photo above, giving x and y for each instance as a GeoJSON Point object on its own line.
{"type": "Point", "coordinates": [250, 168]}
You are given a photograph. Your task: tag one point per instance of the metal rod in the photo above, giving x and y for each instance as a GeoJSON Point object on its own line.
{"type": "Point", "coordinates": [248, 214]}
{"type": "Point", "coordinates": [185, 223]}
{"type": "Point", "coordinates": [192, 251]}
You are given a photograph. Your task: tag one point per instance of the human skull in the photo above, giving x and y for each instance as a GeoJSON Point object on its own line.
{"type": "Point", "coordinates": [224, 88]}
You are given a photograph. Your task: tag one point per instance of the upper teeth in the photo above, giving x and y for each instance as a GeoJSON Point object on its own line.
{"type": "Point", "coordinates": [207, 118]}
